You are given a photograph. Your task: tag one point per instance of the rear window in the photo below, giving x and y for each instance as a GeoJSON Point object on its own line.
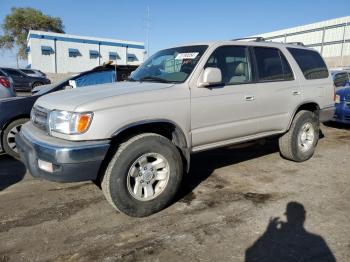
{"type": "Point", "coordinates": [310, 63]}
{"type": "Point", "coordinates": [341, 79]}
{"type": "Point", "coordinates": [2, 73]}
{"type": "Point", "coordinates": [28, 71]}
{"type": "Point", "coordinates": [272, 65]}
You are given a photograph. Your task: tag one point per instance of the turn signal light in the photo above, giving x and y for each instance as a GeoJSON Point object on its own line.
{"type": "Point", "coordinates": [83, 123]}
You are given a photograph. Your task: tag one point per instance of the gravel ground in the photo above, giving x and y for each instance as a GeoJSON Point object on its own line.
{"type": "Point", "coordinates": [237, 204]}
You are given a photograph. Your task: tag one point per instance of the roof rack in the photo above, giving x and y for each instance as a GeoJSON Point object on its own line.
{"type": "Point", "coordinates": [296, 43]}
{"type": "Point", "coordinates": [253, 38]}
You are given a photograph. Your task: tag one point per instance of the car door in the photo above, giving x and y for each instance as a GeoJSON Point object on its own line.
{"type": "Point", "coordinates": [279, 92]}
{"type": "Point", "coordinates": [223, 113]}
{"type": "Point", "coordinates": [18, 78]}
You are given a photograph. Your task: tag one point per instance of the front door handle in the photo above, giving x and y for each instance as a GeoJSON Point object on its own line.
{"type": "Point", "coordinates": [249, 98]}
{"type": "Point", "coordinates": [296, 93]}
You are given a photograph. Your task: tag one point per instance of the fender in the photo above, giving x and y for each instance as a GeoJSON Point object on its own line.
{"type": "Point", "coordinates": [304, 103]}
{"type": "Point", "coordinates": [178, 135]}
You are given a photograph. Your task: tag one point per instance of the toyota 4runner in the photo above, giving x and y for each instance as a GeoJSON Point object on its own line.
{"type": "Point", "coordinates": [137, 137]}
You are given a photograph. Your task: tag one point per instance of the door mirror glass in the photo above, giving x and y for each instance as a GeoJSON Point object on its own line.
{"type": "Point", "coordinates": [211, 76]}
{"type": "Point", "coordinates": [72, 84]}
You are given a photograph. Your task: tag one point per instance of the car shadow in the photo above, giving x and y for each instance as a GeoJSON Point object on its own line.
{"type": "Point", "coordinates": [12, 171]}
{"type": "Point", "coordinates": [289, 241]}
{"type": "Point", "coordinates": [205, 163]}
{"type": "Point", "coordinates": [337, 125]}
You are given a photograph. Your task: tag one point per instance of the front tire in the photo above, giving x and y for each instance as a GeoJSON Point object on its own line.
{"type": "Point", "coordinates": [143, 176]}
{"type": "Point", "coordinates": [299, 143]}
{"type": "Point", "coordinates": [8, 138]}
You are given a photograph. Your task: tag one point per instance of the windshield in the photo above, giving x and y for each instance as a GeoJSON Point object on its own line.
{"type": "Point", "coordinates": [172, 65]}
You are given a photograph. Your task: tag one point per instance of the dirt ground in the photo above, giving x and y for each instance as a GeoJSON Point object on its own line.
{"type": "Point", "coordinates": [237, 204]}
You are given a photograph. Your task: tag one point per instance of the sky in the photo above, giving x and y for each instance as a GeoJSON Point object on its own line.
{"type": "Point", "coordinates": [178, 21]}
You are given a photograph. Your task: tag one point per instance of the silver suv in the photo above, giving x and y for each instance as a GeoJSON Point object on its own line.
{"type": "Point", "coordinates": [137, 137]}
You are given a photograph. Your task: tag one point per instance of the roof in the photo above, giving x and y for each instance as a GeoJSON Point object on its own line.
{"type": "Point", "coordinates": [244, 42]}
{"type": "Point", "coordinates": [83, 39]}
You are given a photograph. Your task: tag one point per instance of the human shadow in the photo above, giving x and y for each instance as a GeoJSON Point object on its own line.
{"type": "Point", "coordinates": [12, 171]}
{"type": "Point", "coordinates": [289, 241]}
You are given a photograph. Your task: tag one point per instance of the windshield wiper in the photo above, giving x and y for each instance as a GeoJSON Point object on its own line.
{"type": "Point", "coordinates": [154, 78]}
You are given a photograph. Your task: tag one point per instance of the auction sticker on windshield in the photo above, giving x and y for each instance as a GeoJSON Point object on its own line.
{"type": "Point", "coordinates": [182, 56]}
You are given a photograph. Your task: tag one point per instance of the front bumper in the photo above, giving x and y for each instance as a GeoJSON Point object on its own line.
{"type": "Point", "coordinates": [71, 161]}
{"type": "Point", "coordinates": [326, 114]}
{"type": "Point", "coordinates": [342, 113]}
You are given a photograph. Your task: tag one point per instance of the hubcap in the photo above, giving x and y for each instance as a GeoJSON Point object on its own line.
{"type": "Point", "coordinates": [11, 137]}
{"type": "Point", "coordinates": [306, 137]}
{"type": "Point", "coordinates": [148, 176]}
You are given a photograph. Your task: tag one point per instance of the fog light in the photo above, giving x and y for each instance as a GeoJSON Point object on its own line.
{"type": "Point", "coordinates": [46, 166]}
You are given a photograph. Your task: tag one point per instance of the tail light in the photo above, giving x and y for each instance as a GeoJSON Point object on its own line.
{"type": "Point", "coordinates": [5, 82]}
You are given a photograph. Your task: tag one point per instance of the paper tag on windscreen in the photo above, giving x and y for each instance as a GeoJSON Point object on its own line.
{"type": "Point", "coordinates": [182, 56]}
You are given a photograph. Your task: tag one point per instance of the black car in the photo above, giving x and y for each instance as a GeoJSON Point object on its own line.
{"type": "Point", "coordinates": [24, 82]}
{"type": "Point", "coordinates": [15, 111]}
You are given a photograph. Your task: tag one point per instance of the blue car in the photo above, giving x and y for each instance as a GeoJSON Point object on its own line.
{"type": "Point", "coordinates": [342, 100]}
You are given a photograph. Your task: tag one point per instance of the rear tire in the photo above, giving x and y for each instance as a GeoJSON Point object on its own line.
{"type": "Point", "coordinates": [8, 138]}
{"type": "Point", "coordinates": [299, 143]}
{"type": "Point", "coordinates": [35, 84]}
{"type": "Point", "coordinates": [143, 176]}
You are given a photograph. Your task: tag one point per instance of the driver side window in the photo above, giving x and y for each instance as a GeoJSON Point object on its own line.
{"type": "Point", "coordinates": [234, 63]}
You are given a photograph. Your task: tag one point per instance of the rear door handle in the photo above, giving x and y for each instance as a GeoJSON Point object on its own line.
{"type": "Point", "coordinates": [249, 98]}
{"type": "Point", "coordinates": [296, 93]}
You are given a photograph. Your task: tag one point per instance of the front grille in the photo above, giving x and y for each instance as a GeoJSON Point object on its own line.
{"type": "Point", "coordinates": [39, 117]}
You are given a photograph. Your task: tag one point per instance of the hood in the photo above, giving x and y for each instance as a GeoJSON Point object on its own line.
{"type": "Point", "coordinates": [69, 100]}
{"type": "Point", "coordinates": [9, 99]}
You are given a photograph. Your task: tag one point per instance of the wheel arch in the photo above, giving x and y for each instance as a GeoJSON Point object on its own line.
{"type": "Point", "coordinates": [311, 106]}
{"type": "Point", "coordinates": [7, 123]}
{"type": "Point", "coordinates": [164, 127]}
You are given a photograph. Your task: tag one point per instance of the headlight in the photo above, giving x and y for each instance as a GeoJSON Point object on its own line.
{"type": "Point", "coordinates": [69, 123]}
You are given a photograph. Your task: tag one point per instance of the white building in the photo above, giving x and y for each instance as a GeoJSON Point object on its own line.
{"type": "Point", "coordinates": [62, 53]}
{"type": "Point", "coordinates": [331, 38]}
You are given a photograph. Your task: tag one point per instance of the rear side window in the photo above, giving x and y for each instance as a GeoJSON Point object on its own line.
{"type": "Point", "coordinates": [12, 72]}
{"type": "Point", "coordinates": [310, 63]}
{"type": "Point", "coordinates": [341, 79]}
{"type": "Point", "coordinates": [272, 65]}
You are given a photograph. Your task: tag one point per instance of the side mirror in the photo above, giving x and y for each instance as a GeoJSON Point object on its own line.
{"type": "Point", "coordinates": [211, 76]}
{"type": "Point", "coordinates": [72, 84]}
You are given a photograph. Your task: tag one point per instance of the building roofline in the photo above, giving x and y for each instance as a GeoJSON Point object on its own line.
{"type": "Point", "coordinates": [330, 23]}
{"type": "Point", "coordinates": [83, 39]}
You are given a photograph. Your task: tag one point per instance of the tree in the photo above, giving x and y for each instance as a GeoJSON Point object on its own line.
{"type": "Point", "coordinates": [17, 24]}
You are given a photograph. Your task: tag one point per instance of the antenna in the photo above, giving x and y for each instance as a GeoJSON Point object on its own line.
{"type": "Point", "coordinates": [148, 26]}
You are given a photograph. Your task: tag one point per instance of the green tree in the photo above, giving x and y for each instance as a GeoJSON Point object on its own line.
{"type": "Point", "coordinates": [18, 23]}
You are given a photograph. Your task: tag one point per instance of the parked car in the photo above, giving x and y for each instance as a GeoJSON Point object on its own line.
{"type": "Point", "coordinates": [137, 139]}
{"type": "Point", "coordinates": [33, 72]}
{"type": "Point", "coordinates": [342, 101]}
{"type": "Point", "coordinates": [24, 82]}
{"type": "Point", "coordinates": [6, 86]}
{"type": "Point", "coordinates": [14, 112]}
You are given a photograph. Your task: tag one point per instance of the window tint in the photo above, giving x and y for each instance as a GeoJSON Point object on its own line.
{"type": "Point", "coordinates": [341, 79]}
{"type": "Point", "coordinates": [95, 78]}
{"type": "Point", "coordinates": [27, 71]}
{"type": "Point", "coordinates": [12, 72]}
{"type": "Point", "coordinates": [2, 73]}
{"type": "Point", "coordinates": [233, 61]}
{"type": "Point", "coordinates": [272, 65]}
{"type": "Point", "coordinates": [310, 63]}
{"type": "Point", "coordinates": [287, 71]}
